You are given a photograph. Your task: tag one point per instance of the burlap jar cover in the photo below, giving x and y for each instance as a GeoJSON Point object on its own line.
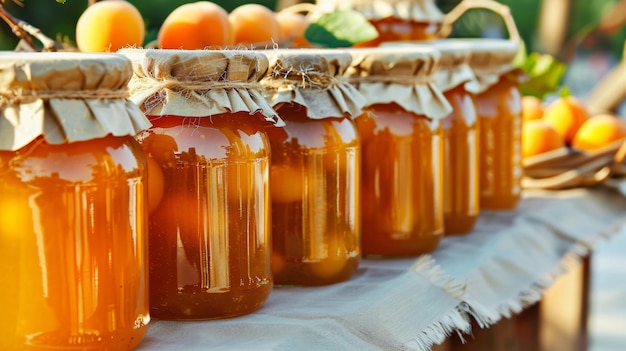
{"type": "Point", "coordinates": [199, 83]}
{"type": "Point", "coordinates": [404, 75]}
{"type": "Point", "coordinates": [65, 97]}
{"type": "Point", "coordinates": [413, 10]}
{"type": "Point", "coordinates": [314, 79]}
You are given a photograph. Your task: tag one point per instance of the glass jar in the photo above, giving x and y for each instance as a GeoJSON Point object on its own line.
{"type": "Point", "coordinates": [402, 138]}
{"type": "Point", "coordinates": [73, 255]}
{"type": "Point", "coordinates": [395, 20]}
{"type": "Point", "coordinates": [209, 229]}
{"type": "Point", "coordinates": [315, 169]}
{"type": "Point", "coordinates": [499, 108]}
{"type": "Point", "coordinates": [461, 186]}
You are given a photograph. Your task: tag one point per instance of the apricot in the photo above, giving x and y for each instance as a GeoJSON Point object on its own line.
{"type": "Point", "coordinates": [293, 26]}
{"type": "Point", "coordinates": [286, 183]}
{"type": "Point", "coordinates": [532, 108]}
{"type": "Point", "coordinates": [538, 137]}
{"type": "Point", "coordinates": [254, 23]}
{"type": "Point", "coordinates": [195, 26]}
{"type": "Point", "coordinates": [109, 26]}
{"type": "Point", "coordinates": [333, 263]}
{"type": "Point", "coordinates": [599, 131]}
{"type": "Point", "coordinates": [156, 183]}
{"type": "Point", "coordinates": [566, 115]}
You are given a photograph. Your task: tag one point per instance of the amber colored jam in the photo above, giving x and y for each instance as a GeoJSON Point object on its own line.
{"type": "Point", "coordinates": [209, 233]}
{"type": "Point", "coordinates": [461, 178]}
{"type": "Point", "coordinates": [398, 29]}
{"type": "Point", "coordinates": [314, 177]}
{"type": "Point", "coordinates": [500, 119]}
{"type": "Point", "coordinates": [401, 189]}
{"type": "Point", "coordinates": [73, 258]}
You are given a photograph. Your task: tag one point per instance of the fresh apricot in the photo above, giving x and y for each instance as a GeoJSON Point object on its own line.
{"type": "Point", "coordinates": [109, 26]}
{"type": "Point", "coordinates": [195, 26]}
{"type": "Point", "coordinates": [566, 115]}
{"type": "Point", "coordinates": [254, 23]}
{"type": "Point", "coordinates": [532, 108]}
{"type": "Point", "coordinates": [538, 137]}
{"type": "Point", "coordinates": [599, 131]}
{"type": "Point", "coordinates": [293, 26]}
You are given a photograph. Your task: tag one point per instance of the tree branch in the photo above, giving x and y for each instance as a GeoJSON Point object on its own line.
{"type": "Point", "coordinates": [24, 31]}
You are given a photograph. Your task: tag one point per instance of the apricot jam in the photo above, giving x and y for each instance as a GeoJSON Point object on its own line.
{"type": "Point", "coordinates": [209, 227]}
{"type": "Point", "coordinates": [402, 138]}
{"type": "Point", "coordinates": [500, 118]}
{"type": "Point", "coordinates": [461, 187]}
{"type": "Point", "coordinates": [499, 109]}
{"type": "Point", "coordinates": [461, 169]}
{"type": "Point", "coordinates": [209, 233]}
{"type": "Point", "coordinates": [73, 215]}
{"type": "Point", "coordinates": [398, 29]}
{"type": "Point", "coordinates": [395, 20]}
{"type": "Point", "coordinates": [315, 170]}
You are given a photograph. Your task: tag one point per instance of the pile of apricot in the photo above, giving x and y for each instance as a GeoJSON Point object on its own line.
{"type": "Point", "coordinates": [114, 24]}
{"type": "Point", "coordinates": [566, 122]}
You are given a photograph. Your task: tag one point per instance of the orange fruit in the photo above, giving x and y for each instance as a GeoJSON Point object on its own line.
{"type": "Point", "coordinates": [532, 108]}
{"type": "Point", "coordinates": [286, 183]}
{"type": "Point", "coordinates": [293, 26]}
{"type": "Point", "coordinates": [566, 115]}
{"type": "Point", "coordinates": [254, 23]}
{"type": "Point", "coordinates": [599, 131]}
{"type": "Point", "coordinates": [109, 26]}
{"type": "Point", "coordinates": [156, 183]}
{"type": "Point", "coordinates": [195, 26]}
{"type": "Point", "coordinates": [538, 137]}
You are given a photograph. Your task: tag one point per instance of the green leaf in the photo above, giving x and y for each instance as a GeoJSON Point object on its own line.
{"type": "Point", "coordinates": [342, 28]}
{"type": "Point", "coordinates": [544, 72]}
{"type": "Point", "coordinates": [61, 1]}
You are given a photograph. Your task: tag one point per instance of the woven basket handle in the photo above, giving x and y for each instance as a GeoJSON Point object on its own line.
{"type": "Point", "coordinates": [504, 11]}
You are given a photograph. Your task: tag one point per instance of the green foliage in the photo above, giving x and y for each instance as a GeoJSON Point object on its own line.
{"type": "Point", "coordinates": [340, 29]}
{"type": "Point", "coordinates": [61, 1]}
{"type": "Point", "coordinates": [544, 74]}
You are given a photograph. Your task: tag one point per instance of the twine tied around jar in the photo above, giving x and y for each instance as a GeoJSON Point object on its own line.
{"type": "Point", "coordinates": [17, 96]}
{"type": "Point", "coordinates": [393, 79]}
{"type": "Point", "coordinates": [305, 78]}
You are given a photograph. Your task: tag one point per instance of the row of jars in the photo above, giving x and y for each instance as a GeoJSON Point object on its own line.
{"type": "Point", "coordinates": [244, 168]}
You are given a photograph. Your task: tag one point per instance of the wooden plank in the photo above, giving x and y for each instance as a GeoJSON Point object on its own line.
{"type": "Point", "coordinates": [564, 311]}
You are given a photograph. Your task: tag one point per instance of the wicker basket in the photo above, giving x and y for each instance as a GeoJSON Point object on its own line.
{"type": "Point", "coordinates": [568, 168]}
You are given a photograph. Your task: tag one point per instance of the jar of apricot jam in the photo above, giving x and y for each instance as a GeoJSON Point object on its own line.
{"type": "Point", "coordinates": [315, 169]}
{"type": "Point", "coordinates": [73, 254]}
{"type": "Point", "coordinates": [461, 186]}
{"type": "Point", "coordinates": [402, 139]}
{"type": "Point", "coordinates": [499, 110]}
{"type": "Point", "coordinates": [395, 20]}
{"type": "Point", "coordinates": [209, 195]}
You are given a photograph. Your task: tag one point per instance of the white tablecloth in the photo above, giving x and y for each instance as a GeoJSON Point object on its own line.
{"type": "Point", "coordinates": [410, 304]}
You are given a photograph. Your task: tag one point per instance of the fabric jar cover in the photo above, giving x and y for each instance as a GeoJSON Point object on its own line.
{"type": "Point", "coordinates": [65, 97]}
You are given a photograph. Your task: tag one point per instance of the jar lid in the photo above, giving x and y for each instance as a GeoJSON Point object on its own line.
{"type": "Point", "coordinates": [65, 97]}
{"type": "Point", "coordinates": [199, 83]}
{"type": "Point", "coordinates": [414, 10]}
{"type": "Point", "coordinates": [490, 59]}
{"type": "Point", "coordinates": [401, 74]}
{"type": "Point", "coordinates": [454, 68]}
{"type": "Point", "coordinates": [314, 79]}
